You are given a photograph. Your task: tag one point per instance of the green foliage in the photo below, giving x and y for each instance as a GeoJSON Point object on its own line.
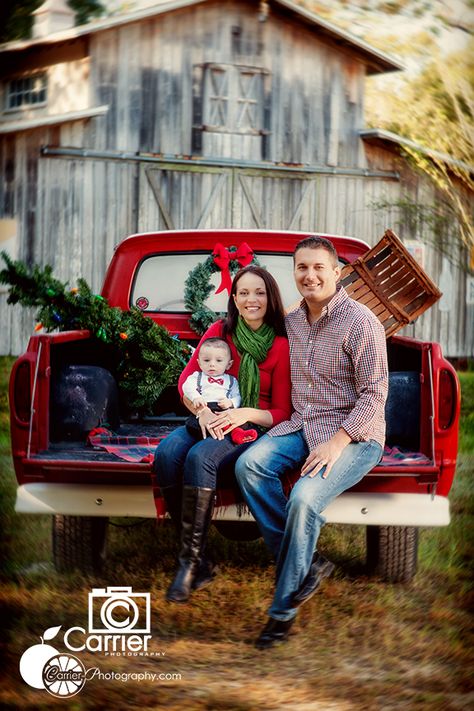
{"type": "Point", "coordinates": [439, 100]}
{"type": "Point", "coordinates": [86, 10]}
{"type": "Point", "coordinates": [146, 357]}
{"type": "Point", "coordinates": [436, 111]}
{"type": "Point", "coordinates": [197, 288]}
{"type": "Point", "coordinates": [16, 19]}
{"type": "Point", "coordinates": [150, 360]}
{"type": "Point", "coordinates": [466, 441]}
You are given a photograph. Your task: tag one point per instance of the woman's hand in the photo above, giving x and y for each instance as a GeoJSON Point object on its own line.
{"type": "Point", "coordinates": [204, 417]}
{"type": "Point", "coordinates": [224, 422]}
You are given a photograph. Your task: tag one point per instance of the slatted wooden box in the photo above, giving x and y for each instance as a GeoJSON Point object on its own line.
{"type": "Point", "coordinates": [390, 283]}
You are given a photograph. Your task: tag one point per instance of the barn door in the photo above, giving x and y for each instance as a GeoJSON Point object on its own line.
{"type": "Point", "coordinates": [175, 197]}
{"type": "Point", "coordinates": [273, 201]}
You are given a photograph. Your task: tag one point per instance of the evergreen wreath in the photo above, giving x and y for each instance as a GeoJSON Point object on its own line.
{"type": "Point", "coordinates": [144, 356]}
{"type": "Point", "coordinates": [197, 288]}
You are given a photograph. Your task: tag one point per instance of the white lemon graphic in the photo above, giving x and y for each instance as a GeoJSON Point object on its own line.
{"type": "Point", "coordinates": [64, 675]}
{"type": "Point", "coordinates": [34, 659]}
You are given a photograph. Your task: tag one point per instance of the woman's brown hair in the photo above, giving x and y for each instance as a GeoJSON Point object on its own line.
{"type": "Point", "coordinates": [274, 315]}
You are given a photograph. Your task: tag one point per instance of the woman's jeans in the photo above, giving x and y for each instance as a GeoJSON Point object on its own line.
{"type": "Point", "coordinates": [291, 527]}
{"type": "Point", "coordinates": [180, 458]}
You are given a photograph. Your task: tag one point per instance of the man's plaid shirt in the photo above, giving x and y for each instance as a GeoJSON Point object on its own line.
{"type": "Point", "coordinates": [339, 372]}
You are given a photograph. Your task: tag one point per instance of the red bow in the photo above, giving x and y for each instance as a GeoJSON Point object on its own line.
{"type": "Point", "coordinates": [222, 257]}
{"type": "Point", "coordinates": [219, 381]}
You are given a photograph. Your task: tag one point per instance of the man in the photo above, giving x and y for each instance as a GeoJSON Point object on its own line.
{"type": "Point", "coordinates": [339, 387]}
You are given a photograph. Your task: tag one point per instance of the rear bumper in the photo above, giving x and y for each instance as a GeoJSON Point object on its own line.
{"type": "Point", "coordinates": [369, 509]}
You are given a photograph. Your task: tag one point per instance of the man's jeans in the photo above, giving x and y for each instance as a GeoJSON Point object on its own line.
{"type": "Point", "coordinates": [291, 527]}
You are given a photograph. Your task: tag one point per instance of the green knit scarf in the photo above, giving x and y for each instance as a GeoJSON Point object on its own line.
{"type": "Point", "coordinates": [253, 347]}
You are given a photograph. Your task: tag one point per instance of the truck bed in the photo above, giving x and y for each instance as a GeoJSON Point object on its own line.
{"type": "Point", "coordinates": [122, 455]}
{"type": "Point", "coordinates": [84, 452]}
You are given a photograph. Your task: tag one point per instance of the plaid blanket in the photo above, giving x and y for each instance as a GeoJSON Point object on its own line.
{"type": "Point", "coordinates": [142, 449]}
{"type": "Point", "coordinates": [397, 455]}
{"type": "Point", "coordinates": [131, 449]}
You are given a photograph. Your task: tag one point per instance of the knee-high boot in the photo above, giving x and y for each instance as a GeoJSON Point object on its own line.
{"type": "Point", "coordinates": [207, 570]}
{"type": "Point", "coordinates": [195, 521]}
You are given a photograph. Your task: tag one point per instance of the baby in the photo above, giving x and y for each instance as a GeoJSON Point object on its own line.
{"type": "Point", "coordinates": [214, 388]}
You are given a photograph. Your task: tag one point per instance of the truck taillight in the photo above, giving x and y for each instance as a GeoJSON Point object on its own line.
{"type": "Point", "coordinates": [447, 399]}
{"type": "Point", "coordinates": [22, 392]}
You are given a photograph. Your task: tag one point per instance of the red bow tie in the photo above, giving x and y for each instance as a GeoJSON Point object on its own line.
{"type": "Point", "coordinates": [219, 381]}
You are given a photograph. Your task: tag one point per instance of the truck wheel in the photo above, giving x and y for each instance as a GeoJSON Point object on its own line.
{"type": "Point", "coordinates": [235, 531]}
{"type": "Point", "coordinates": [79, 543]}
{"type": "Point", "coordinates": [392, 552]}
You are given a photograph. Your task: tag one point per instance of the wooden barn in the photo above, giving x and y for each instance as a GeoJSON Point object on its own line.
{"type": "Point", "coordinates": [201, 113]}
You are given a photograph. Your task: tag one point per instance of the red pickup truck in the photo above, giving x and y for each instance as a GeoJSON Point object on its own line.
{"type": "Point", "coordinates": [81, 486]}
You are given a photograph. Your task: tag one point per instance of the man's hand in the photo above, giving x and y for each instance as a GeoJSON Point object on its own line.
{"type": "Point", "coordinates": [325, 455]}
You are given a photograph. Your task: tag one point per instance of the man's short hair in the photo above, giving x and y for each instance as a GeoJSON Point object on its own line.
{"type": "Point", "coordinates": [217, 343]}
{"type": "Point", "coordinates": [314, 242]}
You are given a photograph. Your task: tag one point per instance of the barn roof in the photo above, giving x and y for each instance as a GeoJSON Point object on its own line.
{"type": "Point", "coordinates": [379, 136]}
{"type": "Point", "coordinates": [376, 61]}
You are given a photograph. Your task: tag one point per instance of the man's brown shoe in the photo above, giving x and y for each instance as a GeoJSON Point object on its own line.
{"type": "Point", "coordinates": [273, 632]}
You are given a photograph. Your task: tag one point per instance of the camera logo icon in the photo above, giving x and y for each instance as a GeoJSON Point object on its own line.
{"type": "Point", "coordinates": [119, 610]}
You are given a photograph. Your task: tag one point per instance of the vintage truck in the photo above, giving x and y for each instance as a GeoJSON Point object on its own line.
{"type": "Point", "coordinates": [82, 486]}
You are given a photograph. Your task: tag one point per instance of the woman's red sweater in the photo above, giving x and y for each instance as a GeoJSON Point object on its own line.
{"type": "Point", "coordinates": [275, 383]}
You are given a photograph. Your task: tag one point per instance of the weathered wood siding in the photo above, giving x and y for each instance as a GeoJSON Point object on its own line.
{"type": "Point", "coordinates": [304, 103]}
{"type": "Point", "coordinates": [70, 214]}
{"type": "Point", "coordinates": [152, 76]}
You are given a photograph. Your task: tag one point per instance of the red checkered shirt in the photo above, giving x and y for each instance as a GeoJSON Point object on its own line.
{"type": "Point", "coordinates": [339, 372]}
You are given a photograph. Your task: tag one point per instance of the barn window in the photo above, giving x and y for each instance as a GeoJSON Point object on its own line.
{"type": "Point", "coordinates": [233, 98]}
{"type": "Point", "coordinates": [231, 111]}
{"type": "Point", "coordinates": [27, 91]}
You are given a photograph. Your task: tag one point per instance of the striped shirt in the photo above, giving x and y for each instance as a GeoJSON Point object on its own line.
{"type": "Point", "coordinates": [339, 372]}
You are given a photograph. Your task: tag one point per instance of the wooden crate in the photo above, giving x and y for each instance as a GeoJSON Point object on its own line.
{"type": "Point", "coordinates": [390, 283]}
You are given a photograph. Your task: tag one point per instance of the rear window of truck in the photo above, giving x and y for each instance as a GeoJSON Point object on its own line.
{"type": "Point", "coordinates": [160, 279]}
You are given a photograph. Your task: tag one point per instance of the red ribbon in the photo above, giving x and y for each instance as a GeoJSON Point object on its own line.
{"type": "Point", "coordinates": [219, 381]}
{"type": "Point", "coordinates": [222, 258]}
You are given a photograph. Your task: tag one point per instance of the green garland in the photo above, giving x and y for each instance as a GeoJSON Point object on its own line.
{"type": "Point", "coordinates": [197, 288]}
{"type": "Point", "coordinates": [144, 356]}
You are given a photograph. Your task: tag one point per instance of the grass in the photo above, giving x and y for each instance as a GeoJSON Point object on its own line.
{"type": "Point", "coordinates": [359, 644]}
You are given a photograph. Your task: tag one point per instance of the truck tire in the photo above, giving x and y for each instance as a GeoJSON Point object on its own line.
{"type": "Point", "coordinates": [392, 552]}
{"type": "Point", "coordinates": [79, 543]}
{"type": "Point", "coordinates": [235, 531]}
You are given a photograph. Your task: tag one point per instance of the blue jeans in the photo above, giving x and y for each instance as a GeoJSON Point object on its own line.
{"type": "Point", "coordinates": [180, 458]}
{"type": "Point", "coordinates": [291, 527]}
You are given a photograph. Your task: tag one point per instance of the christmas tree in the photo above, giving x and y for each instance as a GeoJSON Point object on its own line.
{"type": "Point", "coordinates": [146, 357]}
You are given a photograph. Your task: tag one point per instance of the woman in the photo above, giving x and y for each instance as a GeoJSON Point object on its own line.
{"type": "Point", "coordinates": [186, 469]}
